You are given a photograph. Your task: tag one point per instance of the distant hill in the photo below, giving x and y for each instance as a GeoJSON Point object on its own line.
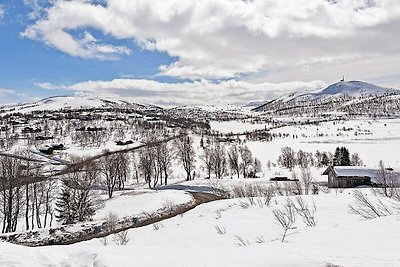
{"type": "Point", "coordinates": [355, 88]}
{"type": "Point", "coordinates": [73, 103]}
{"type": "Point", "coordinates": [352, 97]}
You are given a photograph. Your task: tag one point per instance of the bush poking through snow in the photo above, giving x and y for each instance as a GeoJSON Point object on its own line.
{"type": "Point", "coordinates": [244, 204]}
{"type": "Point", "coordinates": [241, 242]}
{"type": "Point", "coordinates": [104, 241]}
{"type": "Point", "coordinates": [306, 212]}
{"type": "Point", "coordinates": [218, 214]}
{"type": "Point", "coordinates": [285, 217]}
{"type": "Point", "coordinates": [157, 226]}
{"type": "Point", "coordinates": [168, 205]}
{"type": "Point", "coordinates": [121, 238]}
{"type": "Point", "coordinates": [260, 239]}
{"type": "Point", "coordinates": [366, 208]}
{"type": "Point", "coordinates": [111, 221]}
{"type": "Point", "coordinates": [220, 230]}
{"type": "Point", "coordinates": [251, 191]}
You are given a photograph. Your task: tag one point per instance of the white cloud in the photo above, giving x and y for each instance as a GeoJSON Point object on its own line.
{"type": "Point", "coordinates": [187, 93]}
{"type": "Point", "coordinates": [8, 96]}
{"type": "Point", "coordinates": [227, 38]}
{"type": "Point", "coordinates": [1, 12]}
{"type": "Point", "coordinates": [49, 86]}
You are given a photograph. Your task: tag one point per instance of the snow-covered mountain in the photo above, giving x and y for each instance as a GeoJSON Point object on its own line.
{"type": "Point", "coordinates": [354, 97]}
{"type": "Point", "coordinates": [354, 88]}
{"type": "Point", "coordinates": [73, 103]}
{"type": "Point", "coordinates": [342, 88]}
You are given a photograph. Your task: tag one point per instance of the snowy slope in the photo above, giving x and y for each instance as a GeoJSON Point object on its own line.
{"type": "Point", "coordinates": [334, 98]}
{"type": "Point", "coordinates": [354, 88]}
{"type": "Point", "coordinates": [339, 239]}
{"type": "Point", "coordinates": [72, 102]}
{"type": "Point", "coordinates": [350, 88]}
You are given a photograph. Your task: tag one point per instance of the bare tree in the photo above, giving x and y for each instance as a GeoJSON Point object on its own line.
{"type": "Point", "coordinates": [135, 167]}
{"type": "Point", "coordinates": [302, 159]}
{"type": "Point", "coordinates": [233, 159]}
{"type": "Point", "coordinates": [247, 160]}
{"type": "Point", "coordinates": [165, 157]}
{"type": "Point", "coordinates": [146, 164]}
{"type": "Point", "coordinates": [219, 160]}
{"type": "Point", "coordinates": [109, 167]}
{"type": "Point", "coordinates": [366, 208]}
{"type": "Point", "coordinates": [287, 157]}
{"type": "Point", "coordinates": [306, 179]}
{"type": "Point", "coordinates": [285, 217]}
{"type": "Point", "coordinates": [386, 181]}
{"type": "Point", "coordinates": [208, 160]}
{"type": "Point", "coordinates": [257, 166]}
{"type": "Point", "coordinates": [355, 160]}
{"type": "Point", "coordinates": [11, 192]}
{"type": "Point", "coordinates": [186, 154]}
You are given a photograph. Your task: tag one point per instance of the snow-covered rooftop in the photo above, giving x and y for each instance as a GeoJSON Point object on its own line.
{"type": "Point", "coordinates": [358, 171]}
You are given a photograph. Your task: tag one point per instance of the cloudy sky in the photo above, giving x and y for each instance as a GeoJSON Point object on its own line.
{"type": "Point", "coordinates": [193, 52]}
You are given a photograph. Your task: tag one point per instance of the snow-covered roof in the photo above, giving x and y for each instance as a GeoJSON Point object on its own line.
{"type": "Point", "coordinates": [357, 171]}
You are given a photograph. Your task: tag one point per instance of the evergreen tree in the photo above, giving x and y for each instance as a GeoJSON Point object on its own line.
{"type": "Point", "coordinates": [341, 157]}
{"type": "Point", "coordinates": [337, 157]}
{"type": "Point", "coordinates": [66, 212]}
{"type": "Point", "coordinates": [74, 205]}
{"type": "Point", "coordinates": [345, 157]}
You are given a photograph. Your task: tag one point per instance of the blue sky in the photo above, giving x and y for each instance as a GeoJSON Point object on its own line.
{"type": "Point", "coordinates": [25, 62]}
{"type": "Point", "coordinates": [193, 52]}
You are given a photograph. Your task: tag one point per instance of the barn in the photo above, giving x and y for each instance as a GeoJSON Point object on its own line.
{"type": "Point", "coordinates": [351, 176]}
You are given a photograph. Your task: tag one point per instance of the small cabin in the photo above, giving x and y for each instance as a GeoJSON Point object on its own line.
{"type": "Point", "coordinates": [57, 146]}
{"type": "Point", "coordinates": [48, 150]}
{"type": "Point", "coordinates": [351, 176]}
{"type": "Point", "coordinates": [279, 179]}
{"type": "Point", "coordinates": [124, 143]}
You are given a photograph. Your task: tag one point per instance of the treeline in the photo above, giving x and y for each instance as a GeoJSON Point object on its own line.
{"type": "Point", "coordinates": [289, 158]}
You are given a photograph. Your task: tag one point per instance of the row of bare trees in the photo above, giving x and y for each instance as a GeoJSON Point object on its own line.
{"type": "Point", "coordinates": [21, 199]}
{"type": "Point", "coordinates": [154, 163]}
{"type": "Point", "coordinates": [238, 160]}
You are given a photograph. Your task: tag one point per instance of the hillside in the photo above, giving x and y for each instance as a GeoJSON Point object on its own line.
{"type": "Point", "coordinates": [352, 98]}
{"type": "Point", "coordinates": [55, 103]}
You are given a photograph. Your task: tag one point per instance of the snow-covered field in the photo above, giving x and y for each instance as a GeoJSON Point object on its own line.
{"type": "Point", "coordinates": [248, 236]}
{"type": "Point", "coordinates": [373, 140]}
{"type": "Point", "coordinates": [340, 238]}
{"type": "Point", "coordinates": [236, 126]}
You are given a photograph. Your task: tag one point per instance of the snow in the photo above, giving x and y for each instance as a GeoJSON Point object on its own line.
{"type": "Point", "coordinates": [339, 238]}
{"type": "Point", "coordinates": [350, 88]}
{"type": "Point", "coordinates": [137, 201]}
{"type": "Point", "coordinates": [236, 126]}
{"type": "Point", "coordinates": [69, 102]}
{"type": "Point", "coordinates": [343, 171]}
{"type": "Point", "coordinates": [355, 88]}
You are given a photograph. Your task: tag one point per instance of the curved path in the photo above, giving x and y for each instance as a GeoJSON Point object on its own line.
{"type": "Point", "coordinates": [70, 234]}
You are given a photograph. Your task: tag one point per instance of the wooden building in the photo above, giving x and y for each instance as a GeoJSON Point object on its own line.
{"type": "Point", "coordinates": [353, 176]}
